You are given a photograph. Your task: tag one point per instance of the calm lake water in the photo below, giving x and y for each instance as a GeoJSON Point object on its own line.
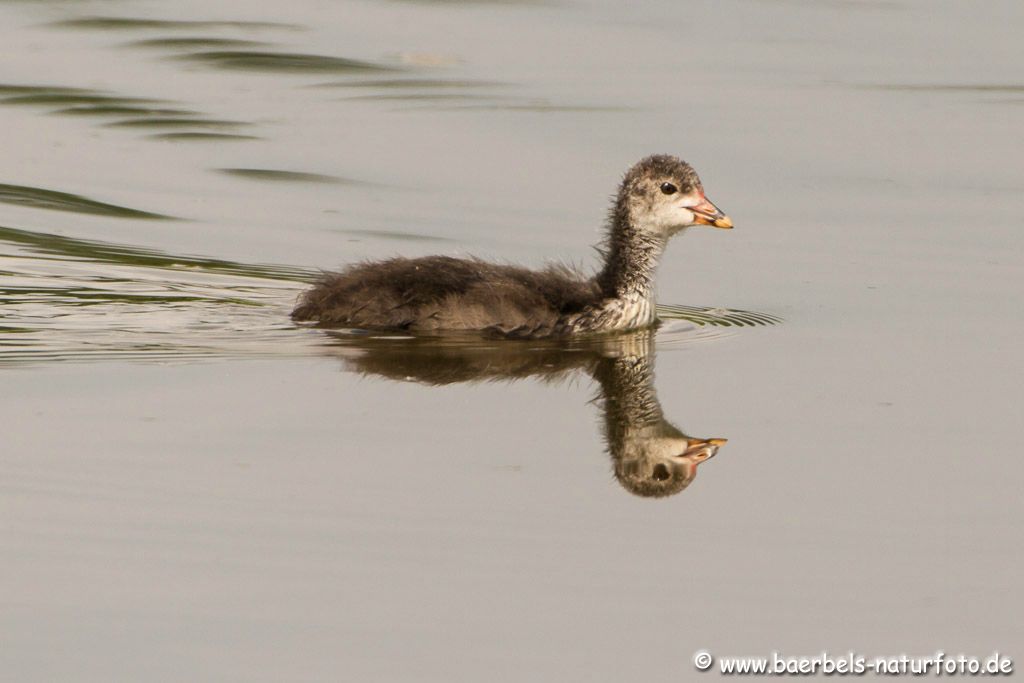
{"type": "Point", "coordinates": [193, 488]}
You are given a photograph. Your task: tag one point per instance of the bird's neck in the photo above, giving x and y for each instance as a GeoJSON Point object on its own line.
{"type": "Point", "coordinates": [627, 388]}
{"type": "Point", "coordinates": [626, 282]}
{"type": "Point", "coordinates": [631, 263]}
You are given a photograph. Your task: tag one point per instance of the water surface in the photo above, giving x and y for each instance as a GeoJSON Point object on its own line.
{"type": "Point", "coordinates": [195, 488]}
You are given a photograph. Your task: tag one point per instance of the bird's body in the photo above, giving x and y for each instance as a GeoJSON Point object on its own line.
{"type": "Point", "coordinates": [658, 198]}
{"type": "Point", "coordinates": [445, 293]}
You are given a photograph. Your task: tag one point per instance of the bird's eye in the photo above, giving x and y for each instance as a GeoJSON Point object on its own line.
{"type": "Point", "coordinates": [669, 188]}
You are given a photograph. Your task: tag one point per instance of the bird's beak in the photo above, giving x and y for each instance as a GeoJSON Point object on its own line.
{"type": "Point", "coordinates": [707, 213]}
{"type": "Point", "coordinates": [703, 449]}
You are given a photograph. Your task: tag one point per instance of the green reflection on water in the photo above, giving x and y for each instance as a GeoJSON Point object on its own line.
{"type": "Point", "coordinates": [11, 89]}
{"type": "Point", "coordinates": [118, 110]}
{"type": "Point", "coordinates": [545, 108]}
{"type": "Point", "coordinates": [39, 198]}
{"type": "Point", "coordinates": [395, 235]}
{"type": "Point", "coordinates": [282, 176]}
{"type": "Point", "coordinates": [422, 97]}
{"type": "Point", "coordinates": [79, 249]}
{"type": "Point", "coordinates": [197, 42]}
{"type": "Point", "coordinates": [421, 90]}
{"type": "Point", "coordinates": [127, 23]}
{"type": "Point", "coordinates": [282, 62]}
{"type": "Point", "coordinates": [200, 136]}
{"type": "Point", "coordinates": [163, 122]}
{"type": "Point", "coordinates": [81, 102]}
{"type": "Point", "coordinates": [91, 103]}
{"type": "Point", "coordinates": [69, 98]}
{"type": "Point", "coordinates": [85, 296]}
{"type": "Point", "coordinates": [424, 83]}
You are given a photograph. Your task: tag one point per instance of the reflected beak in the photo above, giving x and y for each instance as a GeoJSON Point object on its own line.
{"type": "Point", "coordinates": [707, 213]}
{"type": "Point", "coordinates": [703, 449]}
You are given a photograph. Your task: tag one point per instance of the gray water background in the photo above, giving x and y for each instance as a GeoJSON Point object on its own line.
{"type": "Point", "coordinates": [193, 488]}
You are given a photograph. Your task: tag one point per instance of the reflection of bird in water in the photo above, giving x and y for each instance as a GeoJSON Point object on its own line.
{"type": "Point", "coordinates": [661, 196]}
{"type": "Point", "coordinates": [650, 456]}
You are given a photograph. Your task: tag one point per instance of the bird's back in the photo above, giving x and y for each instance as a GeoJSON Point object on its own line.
{"type": "Point", "coordinates": [444, 293]}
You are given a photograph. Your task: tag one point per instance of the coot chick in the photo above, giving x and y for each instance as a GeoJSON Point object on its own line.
{"type": "Point", "coordinates": [659, 197]}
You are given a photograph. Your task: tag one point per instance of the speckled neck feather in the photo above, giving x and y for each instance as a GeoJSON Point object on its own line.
{"type": "Point", "coordinates": [630, 400]}
{"type": "Point", "coordinates": [627, 280]}
{"type": "Point", "coordinates": [631, 256]}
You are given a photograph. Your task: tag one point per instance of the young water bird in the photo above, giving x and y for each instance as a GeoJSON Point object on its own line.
{"type": "Point", "coordinates": [659, 197]}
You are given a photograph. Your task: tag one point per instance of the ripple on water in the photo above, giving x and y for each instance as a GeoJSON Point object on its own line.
{"type": "Point", "coordinates": [70, 248]}
{"type": "Point", "coordinates": [274, 175]}
{"type": "Point", "coordinates": [716, 317]}
{"type": "Point", "coordinates": [202, 136]}
{"type": "Point", "coordinates": [53, 200]}
{"type": "Point", "coordinates": [282, 62]}
{"type": "Point", "coordinates": [49, 96]}
{"type": "Point", "coordinates": [71, 299]}
{"type": "Point", "coordinates": [18, 89]}
{"type": "Point", "coordinates": [69, 100]}
{"type": "Point", "coordinates": [410, 84]}
{"type": "Point", "coordinates": [121, 110]}
{"type": "Point", "coordinates": [169, 122]}
{"type": "Point", "coordinates": [107, 23]}
{"type": "Point", "coordinates": [68, 299]}
{"type": "Point", "coordinates": [441, 94]}
{"type": "Point", "coordinates": [141, 113]}
{"type": "Point", "coordinates": [423, 90]}
{"type": "Point", "coordinates": [197, 42]}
